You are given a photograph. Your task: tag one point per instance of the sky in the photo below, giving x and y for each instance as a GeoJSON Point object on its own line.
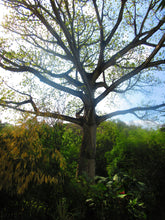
{"type": "Point", "coordinates": [126, 102]}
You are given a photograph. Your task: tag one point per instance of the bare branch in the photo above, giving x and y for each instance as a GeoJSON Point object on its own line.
{"type": "Point", "coordinates": [149, 33]}
{"type": "Point", "coordinates": [156, 63]}
{"type": "Point", "coordinates": [43, 79]}
{"type": "Point", "coordinates": [48, 50]}
{"type": "Point", "coordinates": [17, 104]}
{"type": "Point", "coordinates": [129, 111]}
{"type": "Point", "coordinates": [55, 115]}
{"type": "Point", "coordinates": [151, 44]}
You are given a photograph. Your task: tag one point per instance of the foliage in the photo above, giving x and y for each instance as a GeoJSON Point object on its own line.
{"type": "Point", "coordinates": [141, 154]}
{"type": "Point", "coordinates": [117, 198]}
{"type": "Point", "coordinates": [107, 133]}
{"type": "Point", "coordinates": [70, 147]}
{"type": "Point", "coordinates": [136, 151]}
{"type": "Point", "coordinates": [134, 189]}
{"type": "Point", "coordinates": [27, 155]}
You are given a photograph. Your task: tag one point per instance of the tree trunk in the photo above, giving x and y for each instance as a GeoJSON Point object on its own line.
{"type": "Point", "coordinates": [88, 151]}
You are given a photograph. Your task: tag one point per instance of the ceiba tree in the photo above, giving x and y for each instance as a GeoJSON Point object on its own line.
{"type": "Point", "coordinates": [90, 49]}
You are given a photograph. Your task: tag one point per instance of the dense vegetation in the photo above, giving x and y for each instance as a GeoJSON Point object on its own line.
{"type": "Point", "coordinates": [38, 166]}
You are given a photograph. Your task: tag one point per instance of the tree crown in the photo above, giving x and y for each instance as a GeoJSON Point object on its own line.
{"type": "Point", "coordinates": [88, 49]}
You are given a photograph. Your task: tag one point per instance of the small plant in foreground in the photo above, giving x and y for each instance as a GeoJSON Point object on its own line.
{"type": "Point", "coordinates": [116, 198]}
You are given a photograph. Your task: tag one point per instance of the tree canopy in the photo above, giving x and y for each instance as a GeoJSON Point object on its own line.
{"type": "Point", "coordinates": [81, 46]}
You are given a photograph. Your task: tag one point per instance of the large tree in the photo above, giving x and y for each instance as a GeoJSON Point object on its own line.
{"type": "Point", "coordinates": [90, 49]}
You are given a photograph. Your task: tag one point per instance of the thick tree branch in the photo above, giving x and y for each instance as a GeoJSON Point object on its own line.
{"type": "Point", "coordinates": [129, 111]}
{"type": "Point", "coordinates": [156, 63]}
{"type": "Point", "coordinates": [64, 28]}
{"type": "Point", "coordinates": [75, 52]}
{"type": "Point", "coordinates": [17, 104]}
{"type": "Point", "coordinates": [117, 23]}
{"type": "Point", "coordinates": [136, 42]}
{"type": "Point", "coordinates": [134, 72]}
{"type": "Point", "coordinates": [103, 43]}
{"type": "Point", "coordinates": [151, 44]}
{"type": "Point", "coordinates": [54, 115]}
{"type": "Point", "coordinates": [42, 79]}
{"type": "Point", "coordinates": [148, 34]}
{"type": "Point", "coordinates": [101, 84]}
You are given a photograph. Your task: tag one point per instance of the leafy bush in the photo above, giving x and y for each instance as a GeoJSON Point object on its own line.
{"type": "Point", "coordinates": [26, 157]}
{"type": "Point", "coordinates": [31, 168]}
{"type": "Point", "coordinates": [107, 133]}
{"type": "Point", "coordinates": [119, 197]}
{"type": "Point", "coordinates": [141, 154]}
{"type": "Point", "coordinates": [70, 147]}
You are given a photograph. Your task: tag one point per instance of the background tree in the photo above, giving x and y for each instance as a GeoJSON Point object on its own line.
{"type": "Point", "coordinates": [140, 154]}
{"type": "Point", "coordinates": [88, 49]}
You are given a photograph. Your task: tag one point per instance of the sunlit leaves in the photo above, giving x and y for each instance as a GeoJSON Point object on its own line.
{"type": "Point", "coordinates": [25, 159]}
